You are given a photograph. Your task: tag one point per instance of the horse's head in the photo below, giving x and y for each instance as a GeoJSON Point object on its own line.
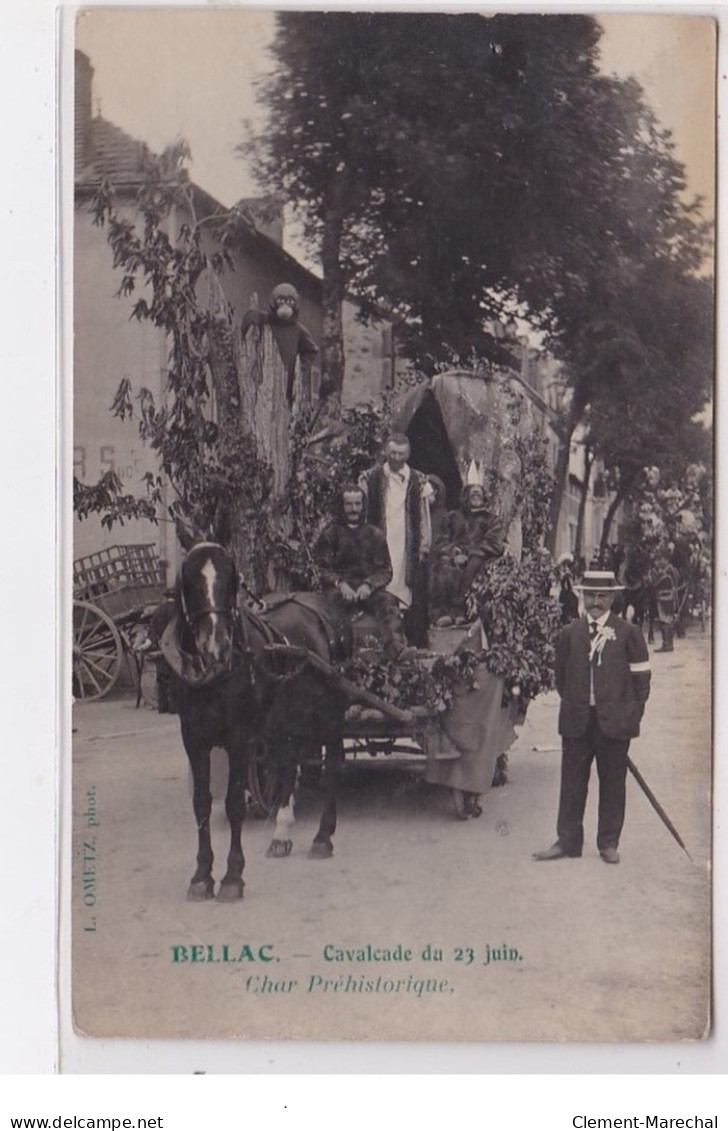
{"type": "Point", "coordinates": [208, 591]}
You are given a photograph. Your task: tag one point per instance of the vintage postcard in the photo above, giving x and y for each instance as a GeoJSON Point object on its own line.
{"type": "Point", "coordinates": [391, 381]}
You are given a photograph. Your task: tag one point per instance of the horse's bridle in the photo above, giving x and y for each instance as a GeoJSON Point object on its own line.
{"type": "Point", "coordinates": [236, 622]}
{"type": "Point", "coordinates": [208, 610]}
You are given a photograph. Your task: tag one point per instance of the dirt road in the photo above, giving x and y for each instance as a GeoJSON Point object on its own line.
{"type": "Point", "coordinates": [500, 948]}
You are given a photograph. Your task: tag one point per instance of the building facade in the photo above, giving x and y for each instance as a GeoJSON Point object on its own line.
{"type": "Point", "coordinates": [110, 345]}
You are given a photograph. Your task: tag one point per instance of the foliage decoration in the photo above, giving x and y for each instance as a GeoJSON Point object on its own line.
{"type": "Point", "coordinates": [320, 464]}
{"type": "Point", "coordinates": [521, 621]}
{"type": "Point", "coordinates": [535, 488]}
{"type": "Point", "coordinates": [428, 682]}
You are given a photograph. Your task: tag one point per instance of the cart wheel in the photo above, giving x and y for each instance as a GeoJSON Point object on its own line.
{"type": "Point", "coordinates": [97, 652]}
{"type": "Point", "coordinates": [262, 785]}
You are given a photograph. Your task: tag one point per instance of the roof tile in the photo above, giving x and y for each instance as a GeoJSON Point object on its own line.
{"type": "Point", "coordinates": [116, 155]}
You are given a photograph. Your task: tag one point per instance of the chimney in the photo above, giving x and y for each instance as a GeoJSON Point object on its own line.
{"type": "Point", "coordinates": [83, 79]}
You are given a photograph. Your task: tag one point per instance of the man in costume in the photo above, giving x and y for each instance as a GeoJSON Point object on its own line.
{"type": "Point", "coordinates": [666, 597]}
{"type": "Point", "coordinates": [291, 337]}
{"type": "Point", "coordinates": [354, 566]}
{"type": "Point", "coordinates": [398, 503]}
{"type": "Point", "coordinates": [468, 538]}
{"type": "Point", "coordinates": [603, 678]}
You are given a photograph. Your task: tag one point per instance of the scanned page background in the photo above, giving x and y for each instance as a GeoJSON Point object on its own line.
{"type": "Point", "coordinates": [500, 950]}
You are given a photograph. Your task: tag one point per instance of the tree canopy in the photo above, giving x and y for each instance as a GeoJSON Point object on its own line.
{"type": "Point", "coordinates": [451, 166]}
{"type": "Point", "coordinates": [644, 412]}
{"type": "Point", "coordinates": [453, 169]}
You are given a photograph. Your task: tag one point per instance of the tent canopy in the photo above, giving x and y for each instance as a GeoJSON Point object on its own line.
{"type": "Point", "coordinates": [463, 428]}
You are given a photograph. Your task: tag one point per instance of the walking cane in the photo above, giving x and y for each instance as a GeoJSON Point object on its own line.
{"type": "Point", "coordinates": [656, 805]}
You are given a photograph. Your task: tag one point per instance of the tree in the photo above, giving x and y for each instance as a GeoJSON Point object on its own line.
{"type": "Point", "coordinates": [399, 137]}
{"type": "Point", "coordinates": [451, 165]}
{"type": "Point", "coordinates": [646, 305]}
{"type": "Point", "coordinates": [210, 460]}
{"type": "Point", "coordinates": [661, 378]}
{"type": "Point", "coordinates": [453, 168]}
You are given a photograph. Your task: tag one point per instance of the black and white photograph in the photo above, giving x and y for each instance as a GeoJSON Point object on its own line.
{"type": "Point", "coordinates": [389, 366]}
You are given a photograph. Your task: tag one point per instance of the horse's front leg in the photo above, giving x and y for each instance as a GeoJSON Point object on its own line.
{"type": "Point", "coordinates": [231, 886]}
{"type": "Point", "coordinates": [202, 885]}
{"type": "Point", "coordinates": [286, 767]}
{"type": "Point", "coordinates": [323, 845]}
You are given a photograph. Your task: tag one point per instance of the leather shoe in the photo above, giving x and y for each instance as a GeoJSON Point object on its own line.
{"type": "Point", "coordinates": [609, 855]}
{"type": "Point", "coordinates": [555, 852]}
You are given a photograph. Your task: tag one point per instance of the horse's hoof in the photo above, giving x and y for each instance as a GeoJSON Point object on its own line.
{"type": "Point", "coordinates": [279, 848]}
{"type": "Point", "coordinates": [321, 850]}
{"type": "Point", "coordinates": [200, 890]}
{"type": "Point", "coordinates": [230, 892]}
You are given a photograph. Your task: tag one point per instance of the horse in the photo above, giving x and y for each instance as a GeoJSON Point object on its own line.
{"type": "Point", "coordinates": [639, 596]}
{"type": "Point", "coordinates": [234, 691]}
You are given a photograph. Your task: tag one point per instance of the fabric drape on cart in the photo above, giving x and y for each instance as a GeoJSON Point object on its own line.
{"type": "Point", "coordinates": [462, 752]}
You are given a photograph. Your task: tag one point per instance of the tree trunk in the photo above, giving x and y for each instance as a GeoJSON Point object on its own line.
{"type": "Point", "coordinates": [267, 417]}
{"type": "Point", "coordinates": [560, 473]}
{"type": "Point", "coordinates": [625, 486]}
{"type": "Point", "coordinates": [254, 419]}
{"type": "Point", "coordinates": [233, 530]}
{"type": "Point", "coordinates": [588, 464]}
{"type": "Point", "coordinates": [333, 290]}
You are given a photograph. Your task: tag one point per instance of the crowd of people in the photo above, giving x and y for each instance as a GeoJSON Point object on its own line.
{"type": "Point", "coordinates": [657, 591]}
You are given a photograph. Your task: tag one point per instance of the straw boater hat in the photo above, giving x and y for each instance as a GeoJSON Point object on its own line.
{"type": "Point", "coordinates": [599, 581]}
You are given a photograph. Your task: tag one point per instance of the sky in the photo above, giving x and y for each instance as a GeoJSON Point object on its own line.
{"type": "Point", "coordinates": [163, 73]}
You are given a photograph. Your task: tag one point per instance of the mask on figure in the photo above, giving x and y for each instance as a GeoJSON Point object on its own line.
{"type": "Point", "coordinates": [284, 303]}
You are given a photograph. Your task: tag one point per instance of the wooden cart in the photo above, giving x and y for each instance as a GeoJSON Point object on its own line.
{"type": "Point", "coordinates": [111, 589]}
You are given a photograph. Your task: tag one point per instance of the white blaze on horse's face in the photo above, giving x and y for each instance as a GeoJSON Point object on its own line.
{"type": "Point", "coordinates": [213, 636]}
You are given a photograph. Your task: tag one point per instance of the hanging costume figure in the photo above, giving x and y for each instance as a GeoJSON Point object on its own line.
{"type": "Point", "coordinates": [291, 337]}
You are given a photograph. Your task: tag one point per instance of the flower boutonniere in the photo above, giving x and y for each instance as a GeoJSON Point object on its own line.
{"type": "Point", "coordinates": [602, 637]}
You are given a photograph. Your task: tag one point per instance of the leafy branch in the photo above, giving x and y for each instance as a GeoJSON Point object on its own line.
{"type": "Point", "coordinates": [107, 499]}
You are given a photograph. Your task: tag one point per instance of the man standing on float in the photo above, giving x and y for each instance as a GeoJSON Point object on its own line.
{"type": "Point", "coordinates": [398, 502]}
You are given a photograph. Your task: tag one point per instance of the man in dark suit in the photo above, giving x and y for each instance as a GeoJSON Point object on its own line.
{"type": "Point", "coordinates": [354, 567]}
{"type": "Point", "coordinates": [603, 678]}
